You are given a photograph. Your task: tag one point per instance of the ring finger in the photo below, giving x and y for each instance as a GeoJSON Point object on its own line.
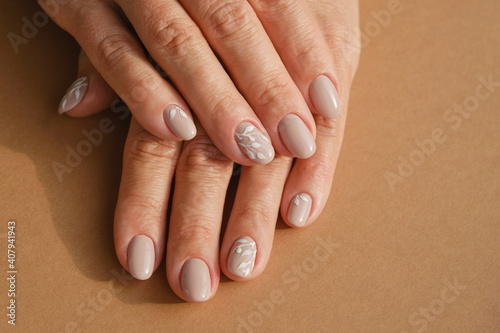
{"type": "Point", "coordinates": [202, 177]}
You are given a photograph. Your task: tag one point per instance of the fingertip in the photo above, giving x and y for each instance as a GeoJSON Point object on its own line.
{"type": "Point", "coordinates": [88, 95]}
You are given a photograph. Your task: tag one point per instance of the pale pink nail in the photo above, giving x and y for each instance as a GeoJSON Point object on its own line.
{"type": "Point", "coordinates": [324, 97]}
{"type": "Point", "coordinates": [179, 122]}
{"type": "Point", "coordinates": [195, 280]}
{"type": "Point", "coordinates": [299, 209]}
{"type": "Point", "coordinates": [242, 256]}
{"type": "Point", "coordinates": [296, 136]}
{"type": "Point", "coordinates": [141, 257]}
{"type": "Point", "coordinates": [74, 95]}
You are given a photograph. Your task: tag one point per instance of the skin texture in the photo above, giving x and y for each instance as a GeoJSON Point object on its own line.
{"type": "Point", "coordinates": [230, 61]}
{"type": "Point", "coordinates": [202, 170]}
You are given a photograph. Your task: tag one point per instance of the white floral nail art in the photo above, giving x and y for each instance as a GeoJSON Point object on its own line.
{"type": "Point", "coordinates": [177, 110]}
{"type": "Point", "coordinates": [299, 210]}
{"type": "Point", "coordinates": [243, 256]}
{"type": "Point", "coordinates": [255, 144]}
{"type": "Point", "coordinates": [74, 94]}
{"type": "Point", "coordinates": [298, 197]}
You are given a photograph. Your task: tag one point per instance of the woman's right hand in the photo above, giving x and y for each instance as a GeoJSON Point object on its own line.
{"type": "Point", "coordinates": [279, 67]}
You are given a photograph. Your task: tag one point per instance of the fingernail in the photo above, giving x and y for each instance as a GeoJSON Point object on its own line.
{"type": "Point", "coordinates": [324, 97]}
{"type": "Point", "coordinates": [242, 257]}
{"type": "Point", "coordinates": [299, 210]}
{"type": "Point", "coordinates": [179, 122]}
{"type": "Point", "coordinates": [254, 144]}
{"type": "Point", "coordinates": [74, 95]}
{"type": "Point", "coordinates": [141, 257]}
{"type": "Point", "coordinates": [296, 136]}
{"type": "Point", "coordinates": [195, 280]}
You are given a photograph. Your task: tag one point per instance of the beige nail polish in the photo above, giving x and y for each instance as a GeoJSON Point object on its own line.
{"type": "Point", "coordinates": [74, 94]}
{"type": "Point", "coordinates": [242, 256]}
{"type": "Point", "coordinates": [254, 143]}
{"type": "Point", "coordinates": [299, 209]}
{"type": "Point", "coordinates": [324, 97]}
{"type": "Point", "coordinates": [296, 136]}
{"type": "Point", "coordinates": [141, 257]}
{"type": "Point", "coordinates": [195, 280]}
{"type": "Point", "coordinates": [179, 122]}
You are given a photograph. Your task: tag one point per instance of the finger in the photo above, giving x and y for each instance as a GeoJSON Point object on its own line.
{"type": "Point", "coordinates": [309, 183]}
{"type": "Point", "coordinates": [248, 239]}
{"type": "Point", "coordinates": [179, 47]}
{"type": "Point", "coordinates": [89, 94]}
{"type": "Point", "coordinates": [120, 58]}
{"type": "Point", "coordinates": [311, 180]}
{"type": "Point", "coordinates": [201, 181]}
{"type": "Point", "coordinates": [234, 31]}
{"type": "Point", "coordinates": [140, 216]}
{"type": "Point", "coordinates": [304, 51]}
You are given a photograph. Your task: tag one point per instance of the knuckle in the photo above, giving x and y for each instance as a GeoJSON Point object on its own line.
{"type": "Point", "coordinates": [344, 40]}
{"type": "Point", "coordinates": [112, 48]}
{"type": "Point", "coordinates": [174, 37]}
{"type": "Point", "coordinates": [259, 212]}
{"type": "Point", "coordinates": [146, 147]}
{"type": "Point", "coordinates": [268, 90]}
{"type": "Point", "coordinates": [202, 232]}
{"type": "Point", "coordinates": [308, 51]}
{"type": "Point", "coordinates": [143, 89]}
{"type": "Point", "coordinates": [228, 17]}
{"type": "Point", "coordinates": [147, 208]}
{"type": "Point", "coordinates": [332, 129]}
{"type": "Point", "coordinates": [321, 167]}
{"type": "Point", "coordinates": [201, 155]}
{"type": "Point", "coordinates": [223, 101]}
{"type": "Point", "coordinates": [270, 7]}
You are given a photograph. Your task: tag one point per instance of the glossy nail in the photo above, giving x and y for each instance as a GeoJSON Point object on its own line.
{"type": "Point", "coordinates": [296, 136]}
{"type": "Point", "coordinates": [74, 95]}
{"type": "Point", "coordinates": [195, 280]}
{"type": "Point", "coordinates": [324, 97]}
{"type": "Point", "coordinates": [242, 256]}
{"type": "Point", "coordinates": [179, 122]}
{"type": "Point", "coordinates": [299, 209]}
{"type": "Point", "coordinates": [254, 144]}
{"type": "Point", "coordinates": [141, 257]}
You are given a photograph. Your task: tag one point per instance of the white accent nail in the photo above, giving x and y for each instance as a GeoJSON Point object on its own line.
{"type": "Point", "coordinates": [254, 144]}
{"type": "Point", "coordinates": [74, 95]}
{"type": "Point", "coordinates": [242, 257]}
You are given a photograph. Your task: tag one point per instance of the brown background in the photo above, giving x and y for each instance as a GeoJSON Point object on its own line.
{"type": "Point", "coordinates": [394, 252]}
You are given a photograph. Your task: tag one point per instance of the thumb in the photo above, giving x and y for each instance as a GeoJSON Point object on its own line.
{"type": "Point", "coordinates": [89, 94]}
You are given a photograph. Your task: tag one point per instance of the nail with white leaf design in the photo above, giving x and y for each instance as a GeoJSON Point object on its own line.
{"type": "Point", "coordinates": [299, 209]}
{"type": "Point", "coordinates": [242, 257]}
{"type": "Point", "coordinates": [179, 122]}
{"type": "Point", "coordinates": [74, 95]}
{"type": "Point", "coordinates": [254, 144]}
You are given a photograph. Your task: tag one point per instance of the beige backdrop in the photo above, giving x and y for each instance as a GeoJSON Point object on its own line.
{"type": "Point", "coordinates": [409, 240]}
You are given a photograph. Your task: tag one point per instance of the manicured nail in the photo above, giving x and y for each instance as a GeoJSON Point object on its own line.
{"type": "Point", "coordinates": [254, 144]}
{"type": "Point", "coordinates": [195, 280]}
{"type": "Point", "coordinates": [242, 257]}
{"type": "Point", "coordinates": [74, 95]}
{"type": "Point", "coordinates": [179, 122]}
{"type": "Point", "coordinates": [324, 97]}
{"type": "Point", "coordinates": [141, 257]}
{"type": "Point", "coordinates": [296, 136]}
{"type": "Point", "coordinates": [299, 210]}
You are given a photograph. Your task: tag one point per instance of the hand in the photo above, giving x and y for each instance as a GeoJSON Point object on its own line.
{"type": "Point", "coordinates": [202, 173]}
{"type": "Point", "coordinates": [279, 67]}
